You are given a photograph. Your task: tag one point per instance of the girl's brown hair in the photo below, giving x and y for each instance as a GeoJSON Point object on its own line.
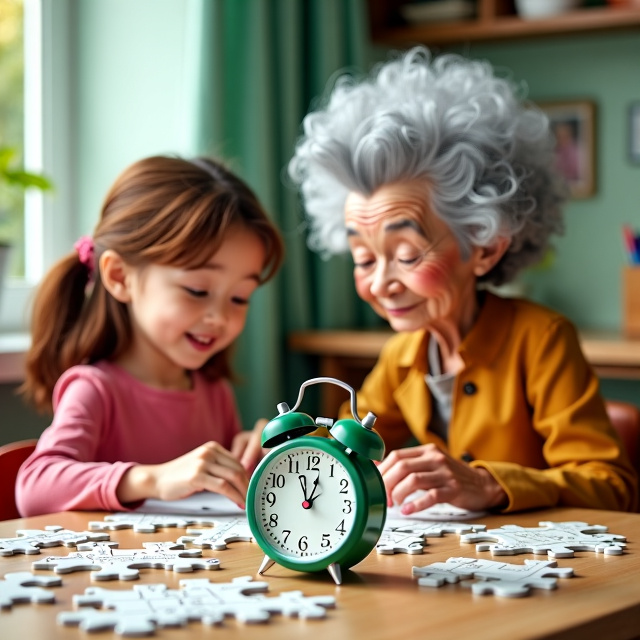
{"type": "Point", "coordinates": [161, 210]}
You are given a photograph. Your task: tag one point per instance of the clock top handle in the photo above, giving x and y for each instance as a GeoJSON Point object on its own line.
{"type": "Point", "coordinates": [368, 420]}
{"type": "Point", "coordinates": [354, 434]}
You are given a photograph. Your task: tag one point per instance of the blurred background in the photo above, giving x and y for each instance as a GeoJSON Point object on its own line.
{"type": "Point", "coordinates": [89, 86]}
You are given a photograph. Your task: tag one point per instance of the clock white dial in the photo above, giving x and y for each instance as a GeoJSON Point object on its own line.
{"type": "Point", "coordinates": [306, 503]}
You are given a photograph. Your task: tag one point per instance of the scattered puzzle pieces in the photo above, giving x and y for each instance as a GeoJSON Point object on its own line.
{"type": "Point", "coordinates": [557, 539]}
{"type": "Point", "coordinates": [442, 511]}
{"type": "Point", "coordinates": [30, 541]}
{"type": "Point", "coordinates": [24, 586]}
{"type": "Point", "coordinates": [391, 542]}
{"type": "Point", "coordinates": [147, 522]}
{"type": "Point", "coordinates": [431, 529]}
{"type": "Point", "coordinates": [236, 530]}
{"type": "Point", "coordinates": [147, 607]}
{"type": "Point", "coordinates": [123, 564]}
{"type": "Point", "coordinates": [402, 535]}
{"type": "Point", "coordinates": [499, 578]}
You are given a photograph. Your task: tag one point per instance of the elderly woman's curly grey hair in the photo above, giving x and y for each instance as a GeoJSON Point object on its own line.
{"type": "Point", "coordinates": [486, 156]}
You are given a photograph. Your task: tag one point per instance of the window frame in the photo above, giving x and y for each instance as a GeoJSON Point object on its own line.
{"type": "Point", "coordinates": [49, 218]}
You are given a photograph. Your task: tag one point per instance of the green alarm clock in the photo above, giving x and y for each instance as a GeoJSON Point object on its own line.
{"type": "Point", "coordinates": [317, 502]}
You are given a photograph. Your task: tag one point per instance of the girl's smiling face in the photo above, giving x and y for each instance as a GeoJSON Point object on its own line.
{"type": "Point", "coordinates": [181, 317]}
{"type": "Point", "coordinates": [407, 262]}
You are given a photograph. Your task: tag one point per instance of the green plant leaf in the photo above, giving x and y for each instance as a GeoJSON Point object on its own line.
{"type": "Point", "coordinates": [25, 179]}
{"type": "Point", "coordinates": [17, 176]}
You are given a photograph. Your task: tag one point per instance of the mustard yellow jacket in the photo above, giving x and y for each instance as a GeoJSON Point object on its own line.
{"type": "Point", "coordinates": [526, 407]}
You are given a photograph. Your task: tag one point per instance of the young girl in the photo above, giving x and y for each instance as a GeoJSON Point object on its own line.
{"type": "Point", "coordinates": [131, 337]}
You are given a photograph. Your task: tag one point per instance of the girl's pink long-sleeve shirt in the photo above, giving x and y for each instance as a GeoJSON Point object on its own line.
{"type": "Point", "coordinates": [106, 421]}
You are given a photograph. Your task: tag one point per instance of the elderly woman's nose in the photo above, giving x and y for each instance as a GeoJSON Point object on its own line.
{"type": "Point", "coordinates": [383, 277]}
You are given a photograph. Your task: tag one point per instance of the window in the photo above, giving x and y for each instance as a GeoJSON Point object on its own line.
{"type": "Point", "coordinates": [37, 121]}
{"type": "Point", "coordinates": [12, 126]}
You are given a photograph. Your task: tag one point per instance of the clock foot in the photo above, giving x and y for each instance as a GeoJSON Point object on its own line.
{"type": "Point", "coordinates": [266, 563]}
{"type": "Point", "coordinates": [336, 573]}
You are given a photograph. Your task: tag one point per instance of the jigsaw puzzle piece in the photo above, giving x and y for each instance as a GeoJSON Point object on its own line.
{"type": "Point", "coordinates": [497, 578]}
{"type": "Point", "coordinates": [391, 542]}
{"type": "Point", "coordinates": [30, 541]}
{"type": "Point", "coordinates": [236, 530]}
{"type": "Point", "coordinates": [24, 586]}
{"type": "Point", "coordinates": [147, 607]}
{"type": "Point", "coordinates": [431, 529]}
{"type": "Point", "coordinates": [124, 564]}
{"type": "Point", "coordinates": [147, 522]}
{"type": "Point", "coordinates": [556, 539]}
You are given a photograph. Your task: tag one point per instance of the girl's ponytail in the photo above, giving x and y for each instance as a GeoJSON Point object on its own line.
{"type": "Point", "coordinates": [57, 309]}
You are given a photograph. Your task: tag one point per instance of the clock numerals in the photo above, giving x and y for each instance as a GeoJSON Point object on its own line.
{"type": "Point", "coordinates": [316, 504]}
{"type": "Point", "coordinates": [276, 480]}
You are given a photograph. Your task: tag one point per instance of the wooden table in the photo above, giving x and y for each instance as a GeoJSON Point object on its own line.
{"type": "Point", "coordinates": [379, 598]}
{"type": "Point", "coordinates": [350, 355]}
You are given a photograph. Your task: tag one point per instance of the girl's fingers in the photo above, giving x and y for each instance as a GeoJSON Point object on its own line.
{"type": "Point", "coordinates": [235, 475]}
{"type": "Point", "coordinates": [252, 453]}
{"type": "Point", "coordinates": [239, 444]}
{"type": "Point", "coordinates": [216, 484]}
{"type": "Point", "coordinates": [217, 454]}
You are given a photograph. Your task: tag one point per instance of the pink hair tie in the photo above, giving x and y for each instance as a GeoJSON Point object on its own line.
{"type": "Point", "coordinates": [84, 247]}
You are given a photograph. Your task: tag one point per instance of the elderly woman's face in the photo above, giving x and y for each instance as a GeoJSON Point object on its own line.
{"type": "Point", "coordinates": [407, 262]}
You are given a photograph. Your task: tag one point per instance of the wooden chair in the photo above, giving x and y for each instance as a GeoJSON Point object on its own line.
{"type": "Point", "coordinates": [11, 458]}
{"type": "Point", "coordinates": [625, 418]}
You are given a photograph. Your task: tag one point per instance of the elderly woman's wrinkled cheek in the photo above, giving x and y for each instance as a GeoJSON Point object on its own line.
{"type": "Point", "coordinates": [363, 287]}
{"type": "Point", "coordinates": [429, 277]}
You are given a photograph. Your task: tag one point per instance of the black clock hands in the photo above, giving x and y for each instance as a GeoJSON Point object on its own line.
{"type": "Point", "coordinates": [303, 485]}
{"type": "Point", "coordinates": [308, 501]}
{"type": "Point", "coordinates": [313, 495]}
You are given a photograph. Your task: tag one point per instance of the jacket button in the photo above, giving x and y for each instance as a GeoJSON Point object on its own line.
{"type": "Point", "coordinates": [469, 388]}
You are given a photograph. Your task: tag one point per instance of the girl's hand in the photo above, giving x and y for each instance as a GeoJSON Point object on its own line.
{"type": "Point", "coordinates": [443, 478]}
{"type": "Point", "coordinates": [210, 467]}
{"type": "Point", "coordinates": [247, 446]}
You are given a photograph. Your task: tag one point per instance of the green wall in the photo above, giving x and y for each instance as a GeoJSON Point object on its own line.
{"type": "Point", "coordinates": [131, 76]}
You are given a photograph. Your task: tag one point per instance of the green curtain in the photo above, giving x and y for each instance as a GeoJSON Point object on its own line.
{"type": "Point", "coordinates": [258, 67]}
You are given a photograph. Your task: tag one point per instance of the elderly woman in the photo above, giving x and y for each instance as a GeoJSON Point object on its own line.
{"type": "Point", "coordinates": [440, 180]}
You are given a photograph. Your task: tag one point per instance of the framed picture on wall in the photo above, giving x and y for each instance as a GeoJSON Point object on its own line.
{"type": "Point", "coordinates": [573, 123]}
{"type": "Point", "coordinates": [634, 132]}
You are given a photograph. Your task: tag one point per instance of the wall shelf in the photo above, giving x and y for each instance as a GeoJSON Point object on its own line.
{"type": "Point", "coordinates": [496, 20]}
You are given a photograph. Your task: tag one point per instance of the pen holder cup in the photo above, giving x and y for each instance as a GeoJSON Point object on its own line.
{"type": "Point", "coordinates": [631, 301]}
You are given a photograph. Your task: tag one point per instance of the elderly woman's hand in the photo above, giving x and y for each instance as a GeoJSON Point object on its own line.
{"type": "Point", "coordinates": [442, 477]}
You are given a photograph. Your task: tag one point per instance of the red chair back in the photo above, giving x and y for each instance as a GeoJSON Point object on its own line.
{"type": "Point", "coordinates": [11, 458]}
